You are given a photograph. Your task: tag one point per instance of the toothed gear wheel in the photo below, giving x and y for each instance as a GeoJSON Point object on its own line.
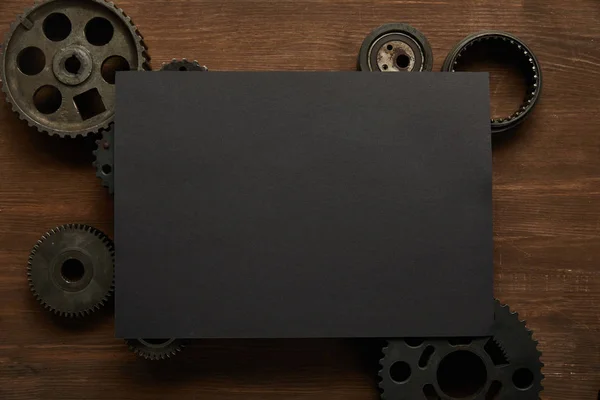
{"type": "Point", "coordinates": [104, 159]}
{"type": "Point", "coordinates": [155, 349]}
{"type": "Point", "coordinates": [508, 47]}
{"type": "Point", "coordinates": [104, 146]}
{"type": "Point", "coordinates": [59, 63]}
{"type": "Point", "coordinates": [183, 65]}
{"type": "Point", "coordinates": [71, 270]}
{"type": "Point", "coordinates": [505, 366]}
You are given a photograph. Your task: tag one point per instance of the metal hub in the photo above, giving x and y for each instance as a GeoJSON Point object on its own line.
{"type": "Point", "coordinates": [72, 65]}
{"type": "Point", "coordinates": [395, 56]}
{"type": "Point", "coordinates": [396, 52]}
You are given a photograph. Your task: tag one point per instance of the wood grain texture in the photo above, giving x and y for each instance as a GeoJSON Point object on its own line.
{"type": "Point", "coordinates": [546, 203]}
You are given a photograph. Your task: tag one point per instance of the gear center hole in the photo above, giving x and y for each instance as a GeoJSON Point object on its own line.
{"type": "Point", "coordinates": [402, 61]}
{"type": "Point", "coordinates": [461, 374]}
{"type": "Point", "coordinates": [72, 270]}
{"type": "Point", "coordinates": [73, 65]}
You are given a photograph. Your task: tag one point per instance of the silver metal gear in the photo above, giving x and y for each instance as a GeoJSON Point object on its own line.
{"type": "Point", "coordinates": [104, 159]}
{"type": "Point", "coordinates": [59, 60]}
{"type": "Point", "coordinates": [155, 349]}
{"type": "Point", "coordinates": [104, 146]}
{"type": "Point", "coordinates": [71, 270]}
{"type": "Point", "coordinates": [183, 65]}
{"type": "Point", "coordinates": [504, 366]}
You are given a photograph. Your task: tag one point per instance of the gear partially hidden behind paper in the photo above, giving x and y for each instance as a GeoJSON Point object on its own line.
{"type": "Point", "coordinates": [71, 270]}
{"type": "Point", "coordinates": [183, 65]}
{"type": "Point", "coordinates": [104, 159]}
{"type": "Point", "coordinates": [104, 146]}
{"type": "Point", "coordinates": [59, 63]}
{"type": "Point", "coordinates": [504, 366]}
{"type": "Point", "coordinates": [155, 349]}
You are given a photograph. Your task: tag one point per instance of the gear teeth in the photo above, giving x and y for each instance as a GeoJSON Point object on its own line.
{"type": "Point", "coordinates": [155, 354]}
{"type": "Point", "coordinates": [507, 327]}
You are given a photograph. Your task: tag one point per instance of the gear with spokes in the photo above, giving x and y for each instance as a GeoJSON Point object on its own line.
{"type": "Point", "coordinates": [59, 62]}
{"type": "Point", "coordinates": [503, 366]}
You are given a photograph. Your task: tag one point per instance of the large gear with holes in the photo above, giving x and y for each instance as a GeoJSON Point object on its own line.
{"type": "Point", "coordinates": [503, 366]}
{"type": "Point", "coordinates": [104, 146]}
{"type": "Point", "coordinates": [59, 62]}
{"type": "Point", "coordinates": [155, 349]}
{"type": "Point", "coordinates": [71, 270]}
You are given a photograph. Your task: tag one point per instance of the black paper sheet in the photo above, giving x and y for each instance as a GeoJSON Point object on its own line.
{"type": "Point", "coordinates": [322, 204]}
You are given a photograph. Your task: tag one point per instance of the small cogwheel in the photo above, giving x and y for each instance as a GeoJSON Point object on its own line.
{"type": "Point", "coordinates": [71, 270]}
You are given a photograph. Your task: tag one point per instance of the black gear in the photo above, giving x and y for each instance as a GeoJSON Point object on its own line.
{"type": "Point", "coordinates": [104, 146]}
{"type": "Point", "coordinates": [503, 366]}
{"type": "Point", "coordinates": [71, 270]}
{"type": "Point", "coordinates": [155, 349]}
{"type": "Point", "coordinates": [104, 159]}
{"type": "Point", "coordinates": [183, 65]}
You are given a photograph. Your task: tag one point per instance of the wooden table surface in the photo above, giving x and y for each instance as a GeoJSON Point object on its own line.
{"type": "Point", "coordinates": [546, 203]}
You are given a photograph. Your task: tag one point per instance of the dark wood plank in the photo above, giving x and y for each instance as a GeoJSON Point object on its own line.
{"type": "Point", "coordinates": [546, 203]}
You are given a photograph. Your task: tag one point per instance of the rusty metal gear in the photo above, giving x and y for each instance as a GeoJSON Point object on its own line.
{"type": "Point", "coordinates": [155, 349]}
{"type": "Point", "coordinates": [71, 270]}
{"type": "Point", "coordinates": [59, 62]}
{"type": "Point", "coordinates": [504, 366]}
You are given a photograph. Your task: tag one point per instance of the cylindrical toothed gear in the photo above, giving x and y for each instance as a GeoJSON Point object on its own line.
{"type": "Point", "coordinates": [71, 270]}
{"type": "Point", "coordinates": [59, 62]}
{"type": "Point", "coordinates": [509, 48]}
{"type": "Point", "coordinates": [504, 366]}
